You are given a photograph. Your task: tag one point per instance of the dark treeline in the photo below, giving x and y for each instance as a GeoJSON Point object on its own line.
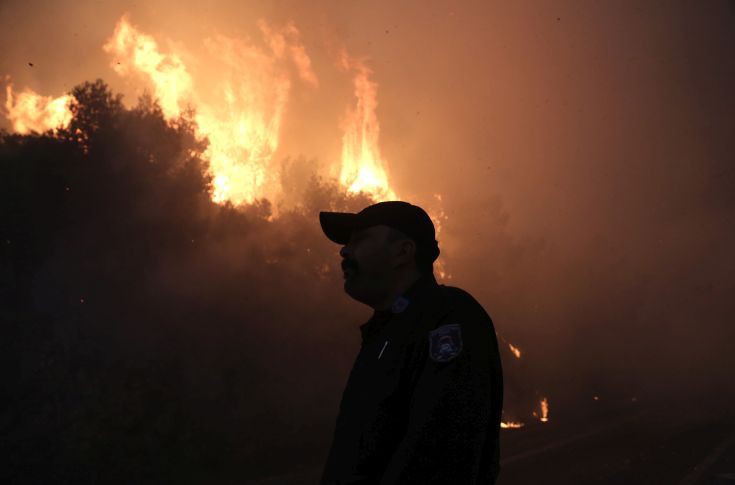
{"type": "Point", "coordinates": [148, 334]}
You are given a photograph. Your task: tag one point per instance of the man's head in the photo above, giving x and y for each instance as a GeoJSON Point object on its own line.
{"type": "Point", "coordinates": [384, 246]}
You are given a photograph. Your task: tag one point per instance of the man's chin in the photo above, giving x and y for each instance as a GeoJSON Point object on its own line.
{"type": "Point", "coordinates": [349, 285]}
{"type": "Point", "coordinates": [352, 289]}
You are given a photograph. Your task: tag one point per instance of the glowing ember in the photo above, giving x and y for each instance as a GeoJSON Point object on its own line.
{"type": "Point", "coordinates": [516, 351]}
{"type": "Point", "coordinates": [363, 169]}
{"type": "Point", "coordinates": [544, 410]}
{"type": "Point", "coordinates": [511, 424]}
{"type": "Point", "coordinates": [29, 111]}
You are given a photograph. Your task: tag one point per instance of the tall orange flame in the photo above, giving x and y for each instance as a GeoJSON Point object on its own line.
{"type": "Point", "coordinates": [511, 424]}
{"type": "Point", "coordinates": [138, 53]}
{"type": "Point", "coordinates": [240, 112]}
{"type": "Point", "coordinates": [363, 168]}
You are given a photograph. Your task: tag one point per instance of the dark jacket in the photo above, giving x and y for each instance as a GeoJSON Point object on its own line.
{"type": "Point", "coordinates": [423, 401]}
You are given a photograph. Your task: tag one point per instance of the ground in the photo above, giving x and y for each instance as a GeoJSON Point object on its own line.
{"type": "Point", "coordinates": [636, 442]}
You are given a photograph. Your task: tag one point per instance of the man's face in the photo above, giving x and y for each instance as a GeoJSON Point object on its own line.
{"type": "Point", "coordinates": [369, 262]}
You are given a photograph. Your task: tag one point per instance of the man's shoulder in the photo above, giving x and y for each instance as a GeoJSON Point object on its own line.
{"type": "Point", "coordinates": [457, 295]}
{"type": "Point", "coordinates": [452, 305]}
{"type": "Point", "coordinates": [456, 315]}
{"type": "Point", "coordinates": [461, 303]}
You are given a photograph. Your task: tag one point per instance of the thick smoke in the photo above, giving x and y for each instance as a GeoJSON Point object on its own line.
{"type": "Point", "coordinates": [150, 330]}
{"type": "Point", "coordinates": [583, 155]}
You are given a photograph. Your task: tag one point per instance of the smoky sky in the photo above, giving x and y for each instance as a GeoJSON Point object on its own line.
{"type": "Point", "coordinates": [583, 154]}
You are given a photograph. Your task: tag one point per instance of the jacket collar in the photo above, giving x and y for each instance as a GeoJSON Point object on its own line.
{"type": "Point", "coordinates": [403, 306]}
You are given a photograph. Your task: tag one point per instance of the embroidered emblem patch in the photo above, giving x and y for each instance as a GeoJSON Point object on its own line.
{"type": "Point", "coordinates": [445, 343]}
{"type": "Point", "coordinates": [399, 305]}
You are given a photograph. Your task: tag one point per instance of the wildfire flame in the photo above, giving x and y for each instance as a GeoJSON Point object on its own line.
{"type": "Point", "coordinates": [513, 349]}
{"type": "Point", "coordinates": [511, 424]}
{"type": "Point", "coordinates": [137, 53]}
{"type": "Point", "coordinates": [516, 351]}
{"type": "Point", "coordinates": [242, 119]}
{"type": "Point", "coordinates": [239, 111]}
{"type": "Point", "coordinates": [544, 410]}
{"type": "Point", "coordinates": [363, 168]}
{"type": "Point", "coordinates": [29, 111]}
{"type": "Point", "coordinates": [439, 217]}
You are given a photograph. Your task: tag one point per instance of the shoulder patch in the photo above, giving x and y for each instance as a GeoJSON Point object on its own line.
{"type": "Point", "coordinates": [445, 343]}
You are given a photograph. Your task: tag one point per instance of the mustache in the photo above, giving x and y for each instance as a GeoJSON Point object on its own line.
{"type": "Point", "coordinates": [349, 264]}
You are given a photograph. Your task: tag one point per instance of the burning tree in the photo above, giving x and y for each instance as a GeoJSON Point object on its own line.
{"type": "Point", "coordinates": [145, 320]}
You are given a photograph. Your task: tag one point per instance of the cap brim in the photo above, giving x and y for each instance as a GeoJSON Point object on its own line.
{"type": "Point", "coordinates": [338, 226]}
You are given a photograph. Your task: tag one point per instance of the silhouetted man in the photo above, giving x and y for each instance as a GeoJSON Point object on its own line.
{"type": "Point", "coordinates": [422, 403]}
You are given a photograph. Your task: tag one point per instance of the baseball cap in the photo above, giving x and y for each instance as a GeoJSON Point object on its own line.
{"type": "Point", "coordinates": [410, 219]}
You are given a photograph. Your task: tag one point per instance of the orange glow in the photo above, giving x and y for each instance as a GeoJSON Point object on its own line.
{"type": "Point", "coordinates": [240, 113]}
{"type": "Point", "coordinates": [29, 111]}
{"type": "Point", "coordinates": [516, 351]}
{"type": "Point", "coordinates": [544, 410]}
{"type": "Point", "coordinates": [135, 52]}
{"type": "Point", "coordinates": [439, 217]}
{"type": "Point", "coordinates": [363, 168]}
{"type": "Point", "coordinates": [511, 424]}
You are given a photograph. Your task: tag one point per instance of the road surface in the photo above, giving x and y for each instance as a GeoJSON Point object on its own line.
{"type": "Point", "coordinates": [633, 443]}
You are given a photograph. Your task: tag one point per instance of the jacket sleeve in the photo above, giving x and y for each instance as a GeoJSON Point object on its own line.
{"type": "Point", "coordinates": [453, 410]}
